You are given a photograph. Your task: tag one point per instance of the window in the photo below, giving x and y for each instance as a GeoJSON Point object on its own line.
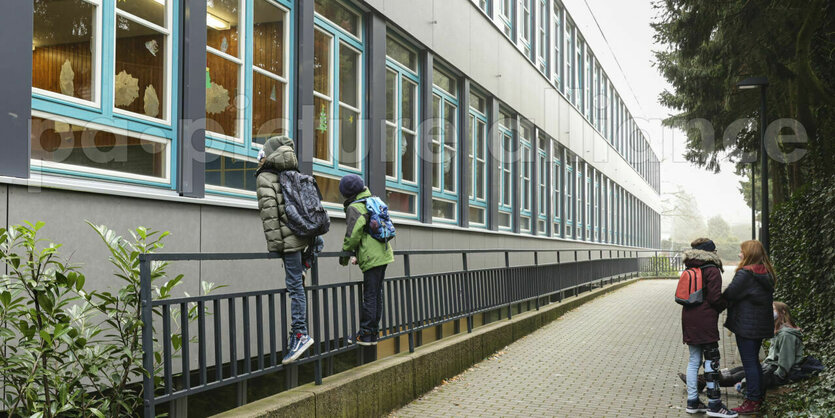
{"type": "Point", "coordinates": [588, 91]}
{"type": "Point", "coordinates": [587, 197]}
{"type": "Point", "coordinates": [542, 35]}
{"type": "Point", "coordinates": [504, 17]}
{"type": "Point", "coordinates": [542, 182]}
{"type": "Point", "coordinates": [526, 183]}
{"type": "Point", "coordinates": [337, 95]}
{"type": "Point", "coordinates": [596, 209]}
{"type": "Point", "coordinates": [78, 127]}
{"type": "Point", "coordinates": [579, 197]}
{"type": "Point", "coordinates": [478, 159]}
{"type": "Point", "coordinates": [556, 185]}
{"type": "Point", "coordinates": [556, 41]}
{"type": "Point", "coordinates": [506, 174]}
{"type": "Point", "coordinates": [270, 56]}
{"type": "Point", "coordinates": [401, 128]}
{"type": "Point", "coordinates": [230, 173]}
{"type": "Point", "coordinates": [525, 8]}
{"type": "Point", "coordinates": [444, 136]}
{"type": "Point", "coordinates": [580, 87]}
{"type": "Point", "coordinates": [570, 77]}
{"type": "Point", "coordinates": [224, 63]}
{"type": "Point", "coordinates": [483, 5]}
{"type": "Point", "coordinates": [569, 183]}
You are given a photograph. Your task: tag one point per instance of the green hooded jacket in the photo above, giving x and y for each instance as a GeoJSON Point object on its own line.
{"type": "Point", "coordinates": [280, 156]}
{"type": "Point", "coordinates": [370, 253]}
{"type": "Point", "coordinates": [786, 350]}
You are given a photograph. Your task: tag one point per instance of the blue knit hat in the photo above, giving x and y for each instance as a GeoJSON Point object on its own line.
{"type": "Point", "coordinates": [706, 246]}
{"type": "Point", "coordinates": [351, 185]}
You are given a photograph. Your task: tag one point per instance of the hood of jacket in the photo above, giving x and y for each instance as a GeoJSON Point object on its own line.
{"type": "Point", "coordinates": [364, 194]}
{"type": "Point", "coordinates": [695, 258]}
{"type": "Point", "coordinates": [761, 276]}
{"type": "Point", "coordinates": [786, 329]}
{"type": "Point", "coordinates": [280, 154]}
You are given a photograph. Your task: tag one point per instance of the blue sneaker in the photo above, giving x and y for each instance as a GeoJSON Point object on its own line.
{"type": "Point", "coordinates": [298, 345]}
{"type": "Point", "coordinates": [363, 339]}
{"type": "Point", "coordinates": [695, 406]}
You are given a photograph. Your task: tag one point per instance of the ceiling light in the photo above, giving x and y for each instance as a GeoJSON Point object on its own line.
{"type": "Point", "coordinates": [215, 22]}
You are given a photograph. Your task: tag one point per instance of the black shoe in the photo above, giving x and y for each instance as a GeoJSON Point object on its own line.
{"type": "Point", "coordinates": [721, 411]}
{"type": "Point", "coordinates": [363, 339]}
{"type": "Point", "coordinates": [695, 406]}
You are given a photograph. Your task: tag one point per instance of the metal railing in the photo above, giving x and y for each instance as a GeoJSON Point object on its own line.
{"type": "Point", "coordinates": [413, 302]}
{"type": "Point", "coordinates": [661, 263]}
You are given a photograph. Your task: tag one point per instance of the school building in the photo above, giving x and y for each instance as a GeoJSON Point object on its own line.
{"type": "Point", "coordinates": [483, 123]}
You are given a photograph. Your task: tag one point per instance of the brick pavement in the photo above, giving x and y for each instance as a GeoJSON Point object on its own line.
{"type": "Point", "coordinates": [616, 356]}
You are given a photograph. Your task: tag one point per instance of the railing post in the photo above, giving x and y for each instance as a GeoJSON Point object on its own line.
{"type": "Point", "coordinates": [537, 278]}
{"type": "Point", "coordinates": [146, 315]}
{"type": "Point", "coordinates": [507, 284]}
{"type": "Point", "coordinates": [656, 263]}
{"type": "Point", "coordinates": [317, 344]}
{"type": "Point", "coordinates": [468, 289]}
{"type": "Point", "coordinates": [407, 271]}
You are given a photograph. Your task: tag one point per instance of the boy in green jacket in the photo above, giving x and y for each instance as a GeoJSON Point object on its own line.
{"type": "Point", "coordinates": [372, 256]}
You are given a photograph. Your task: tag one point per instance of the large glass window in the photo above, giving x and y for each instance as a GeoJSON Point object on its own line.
{"type": "Point", "coordinates": [337, 95]}
{"type": "Point", "coordinates": [478, 159]}
{"type": "Point", "coordinates": [568, 185]}
{"type": "Point", "coordinates": [504, 16]}
{"type": "Point", "coordinates": [579, 209]}
{"type": "Point", "coordinates": [224, 62]}
{"type": "Point", "coordinates": [542, 35]}
{"type": "Point", "coordinates": [142, 56]}
{"type": "Point", "coordinates": [230, 173]}
{"type": "Point", "coordinates": [524, 10]}
{"type": "Point", "coordinates": [79, 127]}
{"type": "Point", "coordinates": [506, 173]}
{"type": "Point", "coordinates": [588, 91]}
{"type": "Point", "coordinates": [596, 208]}
{"type": "Point", "coordinates": [570, 76]}
{"type": "Point", "coordinates": [556, 185]}
{"type": "Point", "coordinates": [65, 44]}
{"type": "Point", "coordinates": [270, 56]}
{"type": "Point", "coordinates": [401, 127]}
{"type": "Point", "coordinates": [557, 46]}
{"type": "Point", "coordinates": [542, 183]}
{"type": "Point", "coordinates": [587, 198]}
{"type": "Point", "coordinates": [579, 94]}
{"type": "Point", "coordinates": [526, 182]}
{"type": "Point", "coordinates": [444, 137]}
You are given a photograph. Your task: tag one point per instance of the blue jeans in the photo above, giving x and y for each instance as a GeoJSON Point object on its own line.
{"type": "Point", "coordinates": [693, 371]}
{"type": "Point", "coordinates": [372, 300]}
{"type": "Point", "coordinates": [293, 269]}
{"type": "Point", "coordinates": [749, 351]}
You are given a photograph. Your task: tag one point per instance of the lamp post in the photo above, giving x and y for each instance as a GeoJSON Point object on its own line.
{"type": "Point", "coordinates": [762, 83]}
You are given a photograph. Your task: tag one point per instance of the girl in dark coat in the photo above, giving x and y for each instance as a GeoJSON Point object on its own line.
{"type": "Point", "coordinates": [750, 316]}
{"type": "Point", "coordinates": [699, 326]}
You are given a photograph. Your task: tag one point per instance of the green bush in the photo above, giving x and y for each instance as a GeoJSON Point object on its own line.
{"type": "Point", "coordinates": [69, 351]}
{"type": "Point", "coordinates": [803, 252]}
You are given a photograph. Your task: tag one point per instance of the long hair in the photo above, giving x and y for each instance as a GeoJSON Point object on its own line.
{"type": "Point", "coordinates": [754, 253]}
{"type": "Point", "coordinates": [783, 317]}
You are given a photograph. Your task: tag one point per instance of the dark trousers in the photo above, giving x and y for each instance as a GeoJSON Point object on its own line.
{"type": "Point", "coordinates": [372, 300]}
{"type": "Point", "coordinates": [749, 351]}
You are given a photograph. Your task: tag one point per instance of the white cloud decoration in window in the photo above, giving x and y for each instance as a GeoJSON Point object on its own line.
{"type": "Point", "coordinates": [127, 88]}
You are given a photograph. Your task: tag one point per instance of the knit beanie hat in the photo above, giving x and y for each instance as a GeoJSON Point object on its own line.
{"type": "Point", "coordinates": [351, 185]}
{"type": "Point", "coordinates": [706, 246]}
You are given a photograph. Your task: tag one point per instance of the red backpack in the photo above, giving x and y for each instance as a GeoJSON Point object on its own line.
{"type": "Point", "coordinates": [689, 291]}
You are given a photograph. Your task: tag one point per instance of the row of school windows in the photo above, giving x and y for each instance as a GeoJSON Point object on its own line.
{"type": "Point", "coordinates": [545, 33]}
{"type": "Point", "coordinates": [104, 86]}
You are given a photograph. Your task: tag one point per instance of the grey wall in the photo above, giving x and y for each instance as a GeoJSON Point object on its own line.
{"type": "Point", "coordinates": [206, 228]}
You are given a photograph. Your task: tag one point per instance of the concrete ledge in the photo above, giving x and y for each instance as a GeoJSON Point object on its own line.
{"type": "Point", "coordinates": [379, 387]}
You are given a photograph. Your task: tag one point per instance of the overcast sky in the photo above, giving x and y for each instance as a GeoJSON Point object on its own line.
{"type": "Point", "coordinates": [625, 25]}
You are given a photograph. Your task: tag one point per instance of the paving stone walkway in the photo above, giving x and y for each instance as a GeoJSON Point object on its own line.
{"type": "Point", "coordinates": [616, 356]}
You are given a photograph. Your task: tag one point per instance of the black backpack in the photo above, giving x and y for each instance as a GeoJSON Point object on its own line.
{"type": "Point", "coordinates": [303, 204]}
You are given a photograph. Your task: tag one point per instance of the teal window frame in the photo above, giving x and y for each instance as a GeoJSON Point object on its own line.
{"type": "Point", "coordinates": [476, 118]}
{"type": "Point", "coordinates": [526, 186]}
{"type": "Point", "coordinates": [557, 36]}
{"type": "Point", "coordinates": [340, 39]}
{"type": "Point", "coordinates": [579, 188]}
{"type": "Point", "coordinates": [596, 206]}
{"type": "Point", "coordinates": [543, 26]}
{"type": "Point", "coordinates": [504, 18]}
{"type": "Point", "coordinates": [397, 183]}
{"type": "Point", "coordinates": [579, 69]}
{"type": "Point", "coordinates": [102, 110]}
{"type": "Point", "coordinates": [569, 195]}
{"type": "Point", "coordinates": [447, 98]}
{"type": "Point", "coordinates": [587, 200]}
{"type": "Point", "coordinates": [569, 57]}
{"type": "Point", "coordinates": [525, 37]}
{"type": "Point", "coordinates": [247, 149]}
{"type": "Point", "coordinates": [542, 186]}
{"type": "Point", "coordinates": [506, 174]}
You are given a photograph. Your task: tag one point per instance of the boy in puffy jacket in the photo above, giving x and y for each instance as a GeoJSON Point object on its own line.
{"type": "Point", "coordinates": [372, 256]}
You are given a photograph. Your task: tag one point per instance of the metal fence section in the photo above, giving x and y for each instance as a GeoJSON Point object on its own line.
{"type": "Point", "coordinates": [660, 263]}
{"type": "Point", "coordinates": [259, 320]}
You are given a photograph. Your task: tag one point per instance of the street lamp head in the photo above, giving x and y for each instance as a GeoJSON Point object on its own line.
{"type": "Point", "coordinates": [752, 82]}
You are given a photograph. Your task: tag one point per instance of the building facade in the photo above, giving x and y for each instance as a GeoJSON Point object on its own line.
{"type": "Point", "coordinates": [484, 123]}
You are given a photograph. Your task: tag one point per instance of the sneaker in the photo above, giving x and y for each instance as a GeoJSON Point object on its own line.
{"type": "Point", "coordinates": [695, 406]}
{"type": "Point", "coordinates": [720, 410]}
{"type": "Point", "coordinates": [300, 344]}
{"type": "Point", "coordinates": [700, 382]}
{"type": "Point", "coordinates": [749, 407]}
{"type": "Point", "coordinates": [363, 339]}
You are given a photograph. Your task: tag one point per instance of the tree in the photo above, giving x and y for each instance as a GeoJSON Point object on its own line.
{"type": "Point", "coordinates": [709, 46]}
{"type": "Point", "coordinates": [682, 209]}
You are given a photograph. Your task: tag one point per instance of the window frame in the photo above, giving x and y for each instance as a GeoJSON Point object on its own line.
{"type": "Point", "coordinates": [447, 98]}
{"type": "Point", "coordinates": [243, 28]}
{"type": "Point", "coordinates": [230, 191]}
{"type": "Point", "coordinates": [398, 184]}
{"type": "Point", "coordinates": [505, 169]}
{"type": "Point", "coordinates": [526, 184]}
{"type": "Point", "coordinates": [556, 190]}
{"type": "Point", "coordinates": [557, 35]}
{"type": "Point", "coordinates": [542, 184]}
{"type": "Point", "coordinates": [476, 117]}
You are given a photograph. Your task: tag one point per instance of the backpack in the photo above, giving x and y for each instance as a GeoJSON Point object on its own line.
{"type": "Point", "coordinates": [303, 204]}
{"type": "Point", "coordinates": [378, 222]}
{"type": "Point", "coordinates": [689, 291]}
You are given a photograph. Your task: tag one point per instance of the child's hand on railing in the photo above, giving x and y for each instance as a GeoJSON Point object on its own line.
{"type": "Point", "coordinates": [353, 260]}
